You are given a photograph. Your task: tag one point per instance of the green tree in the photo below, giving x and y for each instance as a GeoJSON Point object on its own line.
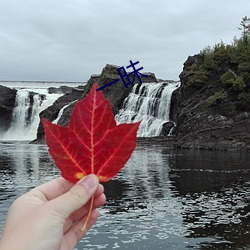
{"type": "Point", "coordinates": [245, 28]}
{"type": "Point", "coordinates": [216, 98]}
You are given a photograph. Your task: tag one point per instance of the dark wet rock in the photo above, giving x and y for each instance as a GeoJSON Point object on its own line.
{"type": "Point", "coordinates": [31, 102]}
{"type": "Point", "coordinates": [7, 105]}
{"type": "Point", "coordinates": [116, 92]}
{"type": "Point", "coordinates": [224, 126]}
{"type": "Point", "coordinates": [166, 128]}
{"type": "Point", "coordinates": [52, 112]}
{"type": "Point", "coordinates": [64, 89]}
{"type": "Point", "coordinates": [176, 97]}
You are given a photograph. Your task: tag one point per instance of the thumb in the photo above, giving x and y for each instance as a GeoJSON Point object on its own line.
{"type": "Point", "coordinates": [76, 197]}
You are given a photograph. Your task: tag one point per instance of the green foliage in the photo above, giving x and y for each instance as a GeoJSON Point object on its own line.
{"type": "Point", "coordinates": [197, 75]}
{"type": "Point", "coordinates": [239, 84]}
{"type": "Point", "coordinates": [206, 51]}
{"type": "Point", "coordinates": [226, 67]}
{"type": "Point", "coordinates": [244, 67]}
{"type": "Point", "coordinates": [210, 65]}
{"type": "Point", "coordinates": [242, 96]}
{"type": "Point", "coordinates": [216, 98]}
{"type": "Point", "coordinates": [232, 80]}
{"type": "Point", "coordinates": [245, 22]}
{"type": "Point", "coordinates": [222, 53]}
{"type": "Point", "coordinates": [228, 78]}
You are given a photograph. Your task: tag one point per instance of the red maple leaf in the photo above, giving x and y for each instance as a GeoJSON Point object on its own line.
{"type": "Point", "coordinates": [92, 142]}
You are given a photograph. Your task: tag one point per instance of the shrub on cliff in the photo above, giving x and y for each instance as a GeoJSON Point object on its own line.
{"type": "Point", "coordinates": [216, 98]}
{"type": "Point", "coordinates": [226, 67]}
{"type": "Point", "coordinates": [197, 75]}
{"type": "Point", "coordinates": [232, 80]}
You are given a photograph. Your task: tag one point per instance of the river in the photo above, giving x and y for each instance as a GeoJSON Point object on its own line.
{"type": "Point", "coordinates": [162, 199]}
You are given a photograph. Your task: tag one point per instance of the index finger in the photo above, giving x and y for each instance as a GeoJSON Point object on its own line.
{"type": "Point", "coordinates": [54, 188]}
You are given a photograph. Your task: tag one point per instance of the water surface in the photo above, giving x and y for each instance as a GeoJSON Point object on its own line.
{"type": "Point", "coordinates": [161, 200]}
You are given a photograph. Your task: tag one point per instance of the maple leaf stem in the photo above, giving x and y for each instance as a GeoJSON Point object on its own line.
{"type": "Point", "coordinates": [84, 228]}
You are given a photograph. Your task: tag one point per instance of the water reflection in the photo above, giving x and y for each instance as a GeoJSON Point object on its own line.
{"type": "Point", "coordinates": [22, 167]}
{"type": "Point", "coordinates": [160, 200]}
{"type": "Point", "coordinates": [142, 209]}
{"type": "Point", "coordinates": [214, 187]}
{"type": "Point", "coordinates": [26, 164]}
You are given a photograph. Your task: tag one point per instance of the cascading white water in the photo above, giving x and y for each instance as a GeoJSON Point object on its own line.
{"type": "Point", "coordinates": [149, 103]}
{"type": "Point", "coordinates": [20, 112]}
{"type": "Point", "coordinates": [25, 117]}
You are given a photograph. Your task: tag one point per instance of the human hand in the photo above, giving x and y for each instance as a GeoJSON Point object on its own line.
{"type": "Point", "coordinates": [50, 216]}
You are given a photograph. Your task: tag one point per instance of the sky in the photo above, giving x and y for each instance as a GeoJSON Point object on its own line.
{"type": "Point", "coordinates": [69, 40]}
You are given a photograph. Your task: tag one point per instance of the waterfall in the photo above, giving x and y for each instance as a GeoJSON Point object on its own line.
{"type": "Point", "coordinates": [149, 103]}
{"type": "Point", "coordinates": [25, 117]}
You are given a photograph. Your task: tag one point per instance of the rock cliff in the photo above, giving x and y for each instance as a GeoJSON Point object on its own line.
{"type": "Point", "coordinates": [51, 113]}
{"type": "Point", "coordinates": [210, 115]}
{"type": "Point", "coordinates": [116, 92]}
{"type": "Point", "coordinates": [7, 104]}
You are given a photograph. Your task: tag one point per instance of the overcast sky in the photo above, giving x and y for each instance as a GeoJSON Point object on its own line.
{"type": "Point", "coordinates": [68, 40]}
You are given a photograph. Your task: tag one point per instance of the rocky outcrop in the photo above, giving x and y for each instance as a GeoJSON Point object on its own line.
{"type": "Point", "coordinates": [52, 112]}
{"type": "Point", "coordinates": [116, 93]}
{"type": "Point", "coordinates": [205, 122]}
{"type": "Point", "coordinates": [167, 128]}
{"type": "Point", "coordinates": [7, 104]}
{"type": "Point", "coordinates": [64, 89]}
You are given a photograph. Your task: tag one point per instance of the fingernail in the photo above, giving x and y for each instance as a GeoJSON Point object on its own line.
{"type": "Point", "coordinates": [89, 182]}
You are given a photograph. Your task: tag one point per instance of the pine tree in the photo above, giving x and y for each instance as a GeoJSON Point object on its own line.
{"type": "Point", "coordinates": [245, 28]}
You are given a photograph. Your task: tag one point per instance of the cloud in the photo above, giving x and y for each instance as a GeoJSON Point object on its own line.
{"type": "Point", "coordinates": [70, 40]}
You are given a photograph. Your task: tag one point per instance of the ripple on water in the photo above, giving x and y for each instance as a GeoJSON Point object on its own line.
{"type": "Point", "coordinates": [158, 201]}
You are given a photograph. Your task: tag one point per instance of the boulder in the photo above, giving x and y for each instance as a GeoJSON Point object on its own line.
{"type": "Point", "coordinates": [7, 104]}
{"type": "Point", "coordinates": [166, 128]}
{"type": "Point", "coordinates": [52, 112]}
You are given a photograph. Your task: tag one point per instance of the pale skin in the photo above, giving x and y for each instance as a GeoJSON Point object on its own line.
{"type": "Point", "coordinates": [50, 216]}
